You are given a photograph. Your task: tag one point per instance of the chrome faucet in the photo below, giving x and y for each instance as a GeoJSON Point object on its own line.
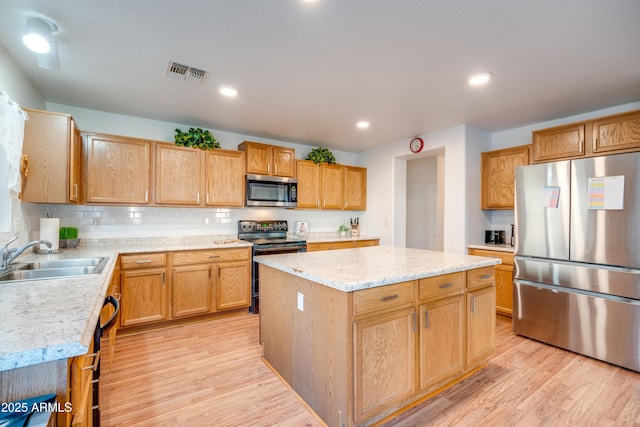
{"type": "Point", "coordinates": [9, 254]}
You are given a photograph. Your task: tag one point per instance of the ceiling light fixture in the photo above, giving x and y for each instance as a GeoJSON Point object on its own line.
{"type": "Point", "coordinates": [362, 124]}
{"type": "Point", "coordinates": [229, 91]}
{"type": "Point", "coordinates": [38, 35]}
{"type": "Point", "coordinates": [480, 79]}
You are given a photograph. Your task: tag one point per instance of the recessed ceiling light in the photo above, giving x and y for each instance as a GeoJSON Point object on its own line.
{"type": "Point", "coordinates": [480, 79]}
{"type": "Point", "coordinates": [362, 124]}
{"type": "Point", "coordinates": [229, 91]}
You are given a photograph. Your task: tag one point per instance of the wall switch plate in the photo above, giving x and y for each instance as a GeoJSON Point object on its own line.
{"type": "Point", "coordinates": [300, 301]}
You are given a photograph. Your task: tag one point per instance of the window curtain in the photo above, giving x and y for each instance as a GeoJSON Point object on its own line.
{"type": "Point", "coordinates": [12, 120]}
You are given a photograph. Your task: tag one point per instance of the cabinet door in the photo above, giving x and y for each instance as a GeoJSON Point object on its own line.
{"type": "Point", "coordinates": [558, 142]}
{"type": "Point", "coordinates": [284, 162]}
{"type": "Point", "coordinates": [498, 176]}
{"type": "Point", "coordinates": [191, 290]}
{"type": "Point", "coordinates": [365, 243]}
{"type": "Point", "coordinates": [481, 324]}
{"type": "Point", "coordinates": [441, 340]}
{"type": "Point", "coordinates": [233, 285]}
{"type": "Point", "coordinates": [258, 158]}
{"type": "Point", "coordinates": [178, 173]}
{"type": "Point", "coordinates": [332, 186]}
{"type": "Point", "coordinates": [118, 170]}
{"type": "Point", "coordinates": [504, 289]}
{"type": "Point", "coordinates": [75, 162]}
{"type": "Point", "coordinates": [225, 178]}
{"type": "Point", "coordinates": [308, 174]}
{"type": "Point", "coordinates": [620, 132]}
{"type": "Point", "coordinates": [50, 150]}
{"type": "Point", "coordinates": [355, 188]}
{"type": "Point", "coordinates": [384, 361]}
{"type": "Point", "coordinates": [144, 296]}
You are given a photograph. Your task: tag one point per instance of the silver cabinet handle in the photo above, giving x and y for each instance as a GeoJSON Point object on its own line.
{"type": "Point", "coordinates": [445, 285]}
{"type": "Point", "coordinates": [485, 276]}
{"type": "Point", "coordinates": [426, 319]}
{"type": "Point", "coordinates": [214, 256]}
{"type": "Point", "coordinates": [389, 297]}
{"type": "Point", "coordinates": [75, 190]}
{"type": "Point", "coordinates": [143, 261]}
{"type": "Point", "coordinates": [146, 195]}
{"type": "Point", "coordinates": [473, 304]}
{"type": "Point", "coordinates": [197, 197]}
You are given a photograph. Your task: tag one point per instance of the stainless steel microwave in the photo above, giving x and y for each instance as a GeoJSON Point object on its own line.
{"type": "Point", "coordinates": [263, 190]}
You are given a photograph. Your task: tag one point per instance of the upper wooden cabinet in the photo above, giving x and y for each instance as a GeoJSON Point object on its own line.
{"type": "Point", "coordinates": [309, 184]}
{"type": "Point", "coordinates": [225, 171]}
{"type": "Point", "coordinates": [118, 169]}
{"type": "Point", "coordinates": [615, 133]}
{"type": "Point", "coordinates": [264, 159]}
{"type": "Point", "coordinates": [498, 176]}
{"type": "Point", "coordinates": [194, 177]}
{"type": "Point", "coordinates": [331, 186]}
{"type": "Point", "coordinates": [606, 135]}
{"type": "Point", "coordinates": [355, 188]}
{"type": "Point", "coordinates": [179, 175]}
{"type": "Point", "coordinates": [52, 158]}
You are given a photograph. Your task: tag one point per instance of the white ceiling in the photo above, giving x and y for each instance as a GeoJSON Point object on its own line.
{"type": "Point", "coordinates": [306, 72]}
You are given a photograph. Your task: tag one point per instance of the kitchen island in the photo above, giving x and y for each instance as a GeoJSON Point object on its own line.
{"type": "Point", "coordinates": [360, 334]}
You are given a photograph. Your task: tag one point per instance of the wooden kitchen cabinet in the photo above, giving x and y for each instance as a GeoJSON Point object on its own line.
{"type": "Point", "coordinates": [384, 361]}
{"type": "Point", "coordinates": [341, 244]}
{"type": "Point", "coordinates": [504, 279]}
{"type": "Point", "coordinates": [264, 159]}
{"type": "Point", "coordinates": [332, 190]}
{"type": "Point", "coordinates": [225, 178]}
{"type": "Point", "coordinates": [52, 158]}
{"type": "Point", "coordinates": [143, 287]}
{"type": "Point", "coordinates": [209, 280]}
{"type": "Point", "coordinates": [355, 188]}
{"type": "Point", "coordinates": [558, 143]}
{"type": "Point", "coordinates": [481, 316]}
{"type": "Point", "coordinates": [498, 176]}
{"type": "Point", "coordinates": [618, 133]}
{"type": "Point", "coordinates": [81, 388]}
{"type": "Point", "coordinates": [309, 177]}
{"type": "Point", "coordinates": [179, 174]}
{"type": "Point", "coordinates": [118, 169]}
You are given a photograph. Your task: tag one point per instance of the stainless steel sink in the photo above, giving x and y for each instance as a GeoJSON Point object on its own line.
{"type": "Point", "coordinates": [52, 269]}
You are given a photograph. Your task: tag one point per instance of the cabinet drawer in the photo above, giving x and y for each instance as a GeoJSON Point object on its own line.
{"type": "Point", "coordinates": [131, 261]}
{"type": "Point", "coordinates": [505, 257]}
{"type": "Point", "coordinates": [480, 277]}
{"type": "Point", "coordinates": [438, 286]}
{"type": "Point", "coordinates": [327, 246]}
{"type": "Point", "coordinates": [210, 255]}
{"type": "Point", "coordinates": [382, 297]}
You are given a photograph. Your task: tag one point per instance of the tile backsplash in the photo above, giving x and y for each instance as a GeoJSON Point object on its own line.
{"type": "Point", "coordinates": [138, 221]}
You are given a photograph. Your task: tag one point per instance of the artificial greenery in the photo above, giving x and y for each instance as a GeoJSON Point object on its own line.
{"type": "Point", "coordinates": [321, 155]}
{"type": "Point", "coordinates": [343, 228]}
{"type": "Point", "coordinates": [67, 233]}
{"type": "Point", "coordinates": [196, 138]}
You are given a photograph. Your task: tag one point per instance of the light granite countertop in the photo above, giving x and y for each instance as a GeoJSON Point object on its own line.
{"type": "Point", "coordinates": [488, 247]}
{"type": "Point", "coordinates": [46, 320]}
{"type": "Point", "coordinates": [350, 270]}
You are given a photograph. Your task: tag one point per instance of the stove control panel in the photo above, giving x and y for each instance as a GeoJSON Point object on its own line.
{"type": "Point", "coordinates": [262, 226]}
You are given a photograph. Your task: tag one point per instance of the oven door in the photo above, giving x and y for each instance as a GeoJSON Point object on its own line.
{"type": "Point", "coordinates": [255, 277]}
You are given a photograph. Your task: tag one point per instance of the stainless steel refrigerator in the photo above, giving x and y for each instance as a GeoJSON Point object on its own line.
{"type": "Point", "coordinates": [577, 264]}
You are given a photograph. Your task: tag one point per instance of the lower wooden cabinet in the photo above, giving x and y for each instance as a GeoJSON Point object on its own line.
{"type": "Point", "coordinates": [163, 287]}
{"type": "Point", "coordinates": [384, 348]}
{"type": "Point", "coordinates": [384, 361]}
{"type": "Point", "coordinates": [504, 279]}
{"type": "Point", "coordinates": [341, 244]}
{"type": "Point", "coordinates": [81, 389]}
{"type": "Point", "coordinates": [441, 352]}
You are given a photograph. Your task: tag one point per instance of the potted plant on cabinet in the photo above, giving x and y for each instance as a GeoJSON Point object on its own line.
{"type": "Point", "coordinates": [343, 230]}
{"type": "Point", "coordinates": [321, 155]}
{"type": "Point", "coordinates": [196, 138]}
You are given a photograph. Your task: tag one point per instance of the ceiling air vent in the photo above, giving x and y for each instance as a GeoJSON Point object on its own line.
{"type": "Point", "coordinates": [185, 72]}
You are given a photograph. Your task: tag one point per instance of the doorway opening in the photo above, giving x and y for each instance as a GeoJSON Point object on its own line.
{"type": "Point", "coordinates": [425, 201]}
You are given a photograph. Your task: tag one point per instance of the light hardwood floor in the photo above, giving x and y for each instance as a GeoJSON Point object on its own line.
{"type": "Point", "coordinates": [211, 374]}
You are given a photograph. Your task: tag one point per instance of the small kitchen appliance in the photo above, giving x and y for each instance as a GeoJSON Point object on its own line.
{"type": "Point", "coordinates": [494, 237]}
{"type": "Point", "coordinates": [271, 191]}
{"type": "Point", "coordinates": [268, 238]}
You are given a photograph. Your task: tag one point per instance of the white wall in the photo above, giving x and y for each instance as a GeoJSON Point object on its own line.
{"type": "Point", "coordinates": [20, 90]}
